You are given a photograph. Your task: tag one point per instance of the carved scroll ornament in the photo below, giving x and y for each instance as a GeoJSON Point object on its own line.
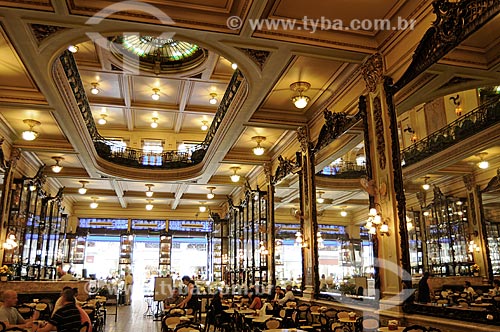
{"type": "Point", "coordinates": [372, 71]}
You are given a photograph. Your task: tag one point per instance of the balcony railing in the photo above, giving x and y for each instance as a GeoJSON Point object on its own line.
{"type": "Point", "coordinates": [137, 157]}
{"type": "Point", "coordinates": [344, 170]}
{"type": "Point", "coordinates": [466, 126]}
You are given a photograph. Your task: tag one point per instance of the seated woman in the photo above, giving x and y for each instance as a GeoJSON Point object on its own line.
{"type": "Point", "coordinates": [468, 288]}
{"type": "Point", "coordinates": [216, 309]}
{"type": "Point", "coordinates": [254, 300]}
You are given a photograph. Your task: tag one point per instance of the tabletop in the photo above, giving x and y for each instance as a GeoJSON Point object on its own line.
{"type": "Point", "coordinates": [285, 330]}
{"type": "Point", "coordinates": [386, 329]}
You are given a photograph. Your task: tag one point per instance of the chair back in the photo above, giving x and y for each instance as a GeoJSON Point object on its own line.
{"type": "Point", "coordinates": [370, 323]}
{"type": "Point", "coordinates": [176, 312]}
{"type": "Point", "coordinates": [188, 327]}
{"type": "Point", "coordinates": [272, 323]}
{"type": "Point", "coordinates": [85, 327]}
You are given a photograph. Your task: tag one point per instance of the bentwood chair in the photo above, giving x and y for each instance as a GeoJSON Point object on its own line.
{"type": "Point", "coordinates": [415, 328]}
{"type": "Point", "coordinates": [85, 327]}
{"type": "Point", "coordinates": [2, 326]}
{"type": "Point", "coordinates": [272, 323]}
{"type": "Point", "coordinates": [188, 327]}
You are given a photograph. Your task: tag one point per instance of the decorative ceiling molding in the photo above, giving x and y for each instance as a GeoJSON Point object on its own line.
{"type": "Point", "coordinates": [43, 31]}
{"type": "Point", "coordinates": [456, 80]}
{"type": "Point", "coordinates": [258, 56]}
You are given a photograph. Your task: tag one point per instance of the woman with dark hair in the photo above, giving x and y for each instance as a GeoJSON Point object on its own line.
{"type": "Point", "coordinates": [424, 290]}
{"type": "Point", "coordinates": [191, 300]}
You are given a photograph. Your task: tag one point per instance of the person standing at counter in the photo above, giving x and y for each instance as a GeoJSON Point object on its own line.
{"type": "Point", "coordinates": [424, 290]}
{"type": "Point", "coordinates": [9, 314]}
{"type": "Point", "coordinates": [191, 299]}
{"type": "Point", "coordinates": [129, 283]}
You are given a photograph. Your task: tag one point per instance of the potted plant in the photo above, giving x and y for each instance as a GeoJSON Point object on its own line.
{"type": "Point", "coordinates": [5, 272]}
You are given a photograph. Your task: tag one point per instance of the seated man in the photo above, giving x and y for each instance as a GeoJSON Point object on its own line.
{"type": "Point", "coordinates": [9, 314]}
{"type": "Point", "coordinates": [288, 296]}
{"type": "Point", "coordinates": [67, 318]}
{"type": "Point", "coordinates": [174, 299]}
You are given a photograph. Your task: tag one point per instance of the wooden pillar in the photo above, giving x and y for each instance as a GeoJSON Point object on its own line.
{"type": "Point", "coordinates": [271, 239]}
{"type": "Point", "coordinates": [386, 186]}
{"type": "Point", "coordinates": [308, 216]}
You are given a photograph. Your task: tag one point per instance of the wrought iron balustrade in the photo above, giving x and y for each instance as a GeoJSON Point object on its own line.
{"type": "Point", "coordinates": [127, 156]}
{"type": "Point", "coordinates": [344, 170]}
{"type": "Point", "coordinates": [466, 126]}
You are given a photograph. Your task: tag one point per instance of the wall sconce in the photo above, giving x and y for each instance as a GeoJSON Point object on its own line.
{"type": "Point", "coordinates": [483, 164]}
{"type": "Point", "coordinates": [213, 98]}
{"type": "Point", "coordinates": [300, 241]}
{"type": "Point", "coordinates": [82, 190]}
{"type": "Point", "coordinates": [300, 87]}
{"type": "Point", "coordinates": [204, 125]}
{"type": "Point", "coordinates": [426, 186]}
{"type": "Point", "coordinates": [154, 124]}
{"type": "Point", "coordinates": [94, 90]}
{"type": "Point", "coordinates": [375, 222]}
{"type": "Point", "coordinates": [202, 207]}
{"type": "Point", "coordinates": [30, 134]}
{"type": "Point", "coordinates": [456, 102]}
{"type": "Point", "coordinates": [57, 168]}
{"type": "Point", "coordinates": [258, 150]}
{"type": "Point", "coordinates": [102, 120]}
{"type": "Point", "coordinates": [319, 238]}
{"type": "Point", "coordinates": [94, 203]}
{"type": "Point", "coordinates": [412, 132]}
{"type": "Point", "coordinates": [320, 198]}
{"type": "Point", "coordinates": [211, 194]}
{"type": "Point", "coordinates": [10, 241]}
{"type": "Point", "coordinates": [149, 206]}
{"type": "Point", "coordinates": [156, 94]}
{"type": "Point", "coordinates": [73, 48]}
{"type": "Point", "coordinates": [409, 224]}
{"type": "Point", "coordinates": [149, 192]}
{"type": "Point", "coordinates": [235, 177]}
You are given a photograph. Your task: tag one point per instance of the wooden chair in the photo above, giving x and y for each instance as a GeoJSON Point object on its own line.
{"type": "Point", "coordinates": [85, 327]}
{"type": "Point", "coordinates": [2, 326]}
{"type": "Point", "coordinates": [169, 323]}
{"type": "Point", "coordinates": [433, 329]}
{"type": "Point", "coordinates": [272, 323]}
{"type": "Point", "coordinates": [415, 328]}
{"type": "Point", "coordinates": [369, 323]}
{"type": "Point", "coordinates": [188, 327]}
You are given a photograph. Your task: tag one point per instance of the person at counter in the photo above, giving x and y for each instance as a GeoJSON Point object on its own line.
{"type": "Point", "coordinates": [9, 314]}
{"type": "Point", "coordinates": [67, 276]}
{"type": "Point", "coordinates": [468, 288]}
{"type": "Point", "coordinates": [67, 318]}
{"type": "Point", "coordinates": [424, 290]}
{"type": "Point", "coordinates": [191, 299]}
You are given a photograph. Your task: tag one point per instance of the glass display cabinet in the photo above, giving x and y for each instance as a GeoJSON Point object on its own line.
{"type": "Point", "coordinates": [414, 227]}
{"type": "Point", "coordinates": [165, 253]}
{"type": "Point", "coordinates": [126, 248]}
{"type": "Point", "coordinates": [248, 239]}
{"type": "Point", "coordinates": [447, 236]}
{"type": "Point", "coordinates": [219, 242]}
{"type": "Point", "coordinates": [489, 198]}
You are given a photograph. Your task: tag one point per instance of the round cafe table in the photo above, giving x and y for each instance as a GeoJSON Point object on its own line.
{"type": "Point", "coordinates": [285, 330]}
{"type": "Point", "coordinates": [386, 329]}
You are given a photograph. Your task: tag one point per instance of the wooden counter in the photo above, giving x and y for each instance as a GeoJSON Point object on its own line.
{"type": "Point", "coordinates": [40, 287]}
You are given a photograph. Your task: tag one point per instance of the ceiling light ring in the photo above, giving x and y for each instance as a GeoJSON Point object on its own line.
{"type": "Point", "coordinates": [94, 90]}
{"type": "Point", "coordinates": [204, 125]}
{"type": "Point", "coordinates": [149, 192]}
{"type": "Point", "coordinates": [258, 150]}
{"type": "Point", "coordinates": [82, 190]}
{"type": "Point", "coordinates": [213, 98]}
{"type": "Point", "coordinates": [211, 194]}
{"type": "Point", "coordinates": [154, 124]}
{"type": "Point", "coordinates": [94, 204]}
{"type": "Point", "coordinates": [156, 94]}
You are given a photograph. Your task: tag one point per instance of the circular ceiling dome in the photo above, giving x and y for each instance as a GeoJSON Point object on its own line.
{"type": "Point", "coordinates": [158, 55]}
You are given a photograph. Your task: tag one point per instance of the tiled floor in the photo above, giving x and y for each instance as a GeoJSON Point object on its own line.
{"type": "Point", "coordinates": [131, 319]}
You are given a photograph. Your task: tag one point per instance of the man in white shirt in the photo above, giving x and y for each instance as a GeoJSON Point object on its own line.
{"type": "Point", "coordinates": [288, 295]}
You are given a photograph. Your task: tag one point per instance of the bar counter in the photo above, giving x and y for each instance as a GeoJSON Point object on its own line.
{"type": "Point", "coordinates": [45, 287]}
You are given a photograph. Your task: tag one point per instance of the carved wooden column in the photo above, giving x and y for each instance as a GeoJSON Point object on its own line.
{"type": "Point", "coordinates": [308, 217]}
{"type": "Point", "coordinates": [387, 185]}
{"type": "Point", "coordinates": [271, 239]}
{"type": "Point", "coordinates": [10, 166]}
{"type": "Point", "coordinates": [477, 228]}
